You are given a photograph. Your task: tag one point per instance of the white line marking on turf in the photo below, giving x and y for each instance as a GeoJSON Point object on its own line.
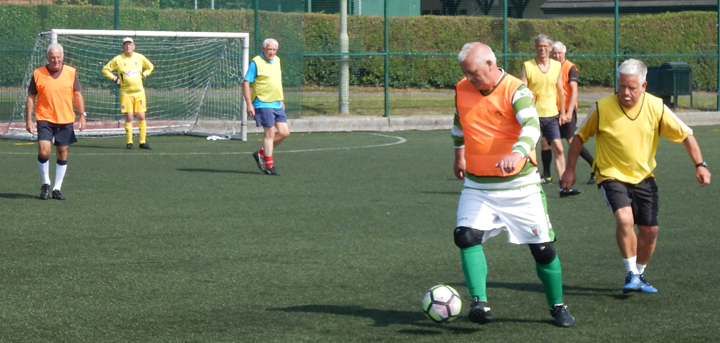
{"type": "Point", "coordinates": [400, 140]}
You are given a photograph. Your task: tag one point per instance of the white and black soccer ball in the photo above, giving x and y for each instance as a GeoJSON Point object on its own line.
{"type": "Point", "coordinates": [442, 304]}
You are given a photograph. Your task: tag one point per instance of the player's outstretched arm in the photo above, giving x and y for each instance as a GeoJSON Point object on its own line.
{"type": "Point", "coordinates": [702, 174]}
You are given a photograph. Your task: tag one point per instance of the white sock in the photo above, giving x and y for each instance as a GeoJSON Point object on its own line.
{"type": "Point", "coordinates": [44, 172]}
{"type": "Point", "coordinates": [59, 175]}
{"type": "Point", "coordinates": [631, 265]}
{"type": "Point", "coordinates": [640, 267]}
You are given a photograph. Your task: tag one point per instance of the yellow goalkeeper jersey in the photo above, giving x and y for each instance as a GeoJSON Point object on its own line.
{"type": "Point", "coordinates": [130, 72]}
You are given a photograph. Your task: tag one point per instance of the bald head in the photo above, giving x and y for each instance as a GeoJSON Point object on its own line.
{"type": "Point", "coordinates": [478, 63]}
{"type": "Point", "coordinates": [477, 51]}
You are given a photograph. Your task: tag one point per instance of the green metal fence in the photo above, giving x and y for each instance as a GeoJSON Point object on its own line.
{"type": "Point", "coordinates": [391, 75]}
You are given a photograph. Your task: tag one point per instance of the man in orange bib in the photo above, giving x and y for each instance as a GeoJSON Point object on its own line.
{"type": "Point", "coordinates": [495, 132]}
{"type": "Point", "coordinates": [51, 92]}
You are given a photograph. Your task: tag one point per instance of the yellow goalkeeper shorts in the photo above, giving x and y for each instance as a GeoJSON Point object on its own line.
{"type": "Point", "coordinates": [133, 103]}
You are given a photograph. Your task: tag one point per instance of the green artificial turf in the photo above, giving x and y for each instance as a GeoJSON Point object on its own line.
{"type": "Point", "coordinates": [189, 242]}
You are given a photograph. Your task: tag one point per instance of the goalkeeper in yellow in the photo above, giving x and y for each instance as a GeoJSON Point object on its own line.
{"type": "Point", "coordinates": [129, 66]}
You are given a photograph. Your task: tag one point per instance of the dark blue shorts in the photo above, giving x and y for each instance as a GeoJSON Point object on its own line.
{"type": "Point", "coordinates": [643, 198]}
{"type": "Point", "coordinates": [267, 117]}
{"type": "Point", "coordinates": [63, 133]}
{"type": "Point", "coordinates": [550, 128]}
{"type": "Point", "coordinates": [567, 130]}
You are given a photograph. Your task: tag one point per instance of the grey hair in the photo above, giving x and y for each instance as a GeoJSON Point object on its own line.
{"type": "Point", "coordinates": [55, 46]}
{"type": "Point", "coordinates": [480, 57]}
{"type": "Point", "coordinates": [270, 41]}
{"type": "Point", "coordinates": [541, 37]}
{"type": "Point", "coordinates": [633, 67]}
{"type": "Point", "coordinates": [559, 46]}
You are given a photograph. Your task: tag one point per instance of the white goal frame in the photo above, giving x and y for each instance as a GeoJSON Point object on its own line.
{"type": "Point", "coordinates": [245, 37]}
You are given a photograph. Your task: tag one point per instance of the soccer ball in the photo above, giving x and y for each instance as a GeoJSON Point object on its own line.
{"type": "Point", "coordinates": [442, 304]}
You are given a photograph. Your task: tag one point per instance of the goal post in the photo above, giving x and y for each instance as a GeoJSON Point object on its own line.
{"type": "Point", "coordinates": [195, 88]}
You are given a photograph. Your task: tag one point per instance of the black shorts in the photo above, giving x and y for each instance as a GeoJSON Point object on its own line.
{"type": "Point", "coordinates": [63, 133]}
{"type": "Point", "coordinates": [643, 198]}
{"type": "Point", "coordinates": [549, 128]}
{"type": "Point", "coordinates": [567, 130]}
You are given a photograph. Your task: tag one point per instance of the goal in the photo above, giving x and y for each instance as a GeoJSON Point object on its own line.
{"type": "Point", "coordinates": [196, 87]}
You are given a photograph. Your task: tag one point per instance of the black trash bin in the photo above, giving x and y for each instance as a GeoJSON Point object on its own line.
{"type": "Point", "coordinates": [671, 79]}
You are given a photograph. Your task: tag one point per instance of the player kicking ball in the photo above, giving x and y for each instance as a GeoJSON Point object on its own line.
{"type": "Point", "coordinates": [495, 155]}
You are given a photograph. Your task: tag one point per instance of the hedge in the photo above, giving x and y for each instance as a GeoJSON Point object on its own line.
{"type": "Point", "coordinates": [299, 34]}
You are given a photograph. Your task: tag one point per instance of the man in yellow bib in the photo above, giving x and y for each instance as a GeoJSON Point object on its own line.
{"type": "Point", "coordinates": [130, 76]}
{"type": "Point", "coordinates": [495, 131]}
{"type": "Point", "coordinates": [543, 76]}
{"type": "Point", "coordinates": [263, 92]}
{"type": "Point", "coordinates": [627, 126]}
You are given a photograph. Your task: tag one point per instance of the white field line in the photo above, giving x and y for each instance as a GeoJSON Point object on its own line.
{"type": "Point", "coordinates": [399, 140]}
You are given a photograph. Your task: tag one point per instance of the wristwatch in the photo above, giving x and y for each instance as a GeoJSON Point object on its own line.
{"type": "Point", "coordinates": [701, 164]}
{"type": "Point", "coordinates": [84, 114]}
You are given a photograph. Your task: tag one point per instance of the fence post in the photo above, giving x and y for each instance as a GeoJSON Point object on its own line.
{"type": "Point", "coordinates": [505, 39]}
{"type": "Point", "coordinates": [387, 59]}
{"type": "Point", "coordinates": [617, 42]}
{"type": "Point", "coordinates": [344, 103]}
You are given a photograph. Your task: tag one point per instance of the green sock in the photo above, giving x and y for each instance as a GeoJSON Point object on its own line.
{"type": "Point", "coordinates": [551, 276]}
{"type": "Point", "coordinates": [475, 269]}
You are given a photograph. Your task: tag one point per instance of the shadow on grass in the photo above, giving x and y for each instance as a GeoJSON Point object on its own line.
{"type": "Point", "coordinates": [383, 318]}
{"type": "Point", "coordinates": [17, 196]}
{"type": "Point", "coordinates": [89, 146]}
{"type": "Point", "coordinates": [567, 289]}
{"type": "Point", "coordinates": [443, 193]}
{"type": "Point", "coordinates": [230, 171]}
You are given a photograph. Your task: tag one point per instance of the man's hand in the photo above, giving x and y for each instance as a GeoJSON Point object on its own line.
{"type": "Point", "coordinates": [563, 119]}
{"type": "Point", "coordinates": [702, 174]}
{"type": "Point", "coordinates": [30, 126]}
{"type": "Point", "coordinates": [568, 178]}
{"type": "Point", "coordinates": [82, 124]}
{"type": "Point", "coordinates": [459, 168]}
{"type": "Point", "coordinates": [250, 110]}
{"type": "Point", "coordinates": [117, 81]}
{"type": "Point", "coordinates": [508, 162]}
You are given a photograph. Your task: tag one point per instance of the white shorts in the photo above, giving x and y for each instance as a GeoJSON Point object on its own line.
{"type": "Point", "coordinates": [522, 212]}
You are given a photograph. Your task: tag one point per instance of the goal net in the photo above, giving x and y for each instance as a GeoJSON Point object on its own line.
{"type": "Point", "coordinates": [196, 87]}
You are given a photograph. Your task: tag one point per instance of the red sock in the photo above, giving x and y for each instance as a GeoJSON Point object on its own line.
{"type": "Point", "coordinates": [261, 152]}
{"type": "Point", "coordinates": [268, 162]}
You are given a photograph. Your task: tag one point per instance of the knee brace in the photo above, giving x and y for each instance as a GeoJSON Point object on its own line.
{"type": "Point", "coordinates": [543, 253]}
{"type": "Point", "coordinates": [466, 237]}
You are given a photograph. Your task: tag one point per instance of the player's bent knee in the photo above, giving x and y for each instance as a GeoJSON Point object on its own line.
{"type": "Point", "coordinates": [466, 237]}
{"type": "Point", "coordinates": [543, 253]}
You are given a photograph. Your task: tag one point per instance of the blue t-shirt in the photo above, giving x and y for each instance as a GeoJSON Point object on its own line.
{"type": "Point", "coordinates": [251, 76]}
